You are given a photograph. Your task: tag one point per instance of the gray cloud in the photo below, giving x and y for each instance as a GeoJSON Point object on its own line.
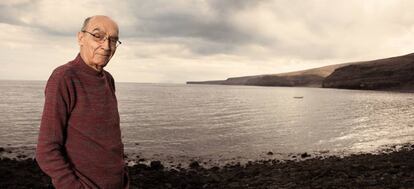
{"type": "Point", "coordinates": [209, 24]}
{"type": "Point", "coordinates": [13, 13]}
{"type": "Point", "coordinates": [225, 7]}
{"type": "Point", "coordinates": [25, 14]}
{"type": "Point", "coordinates": [52, 17]}
{"type": "Point", "coordinates": [285, 28]}
{"type": "Point", "coordinates": [252, 35]}
{"type": "Point", "coordinates": [192, 26]}
{"type": "Point", "coordinates": [212, 30]}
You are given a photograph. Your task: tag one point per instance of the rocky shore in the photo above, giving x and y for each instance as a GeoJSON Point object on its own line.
{"type": "Point", "coordinates": [393, 168]}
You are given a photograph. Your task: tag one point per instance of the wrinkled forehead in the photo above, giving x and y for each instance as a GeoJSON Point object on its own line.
{"type": "Point", "coordinates": [103, 24]}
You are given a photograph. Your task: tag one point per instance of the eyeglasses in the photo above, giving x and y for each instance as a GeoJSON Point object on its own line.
{"type": "Point", "coordinates": [101, 37]}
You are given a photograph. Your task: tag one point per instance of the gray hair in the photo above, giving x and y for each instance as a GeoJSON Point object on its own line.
{"type": "Point", "coordinates": [85, 23]}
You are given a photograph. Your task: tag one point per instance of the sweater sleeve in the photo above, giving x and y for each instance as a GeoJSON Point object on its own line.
{"type": "Point", "coordinates": [50, 151]}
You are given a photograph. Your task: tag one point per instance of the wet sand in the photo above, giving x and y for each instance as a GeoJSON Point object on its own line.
{"type": "Point", "coordinates": [390, 169]}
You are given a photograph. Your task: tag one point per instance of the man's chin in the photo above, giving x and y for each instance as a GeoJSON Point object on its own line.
{"type": "Point", "coordinates": [102, 62]}
{"type": "Point", "coordinates": [99, 65]}
{"type": "Point", "coordinates": [102, 65]}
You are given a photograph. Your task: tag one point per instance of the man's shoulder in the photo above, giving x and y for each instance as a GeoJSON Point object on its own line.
{"type": "Point", "coordinates": [64, 72]}
{"type": "Point", "coordinates": [108, 74]}
{"type": "Point", "coordinates": [65, 69]}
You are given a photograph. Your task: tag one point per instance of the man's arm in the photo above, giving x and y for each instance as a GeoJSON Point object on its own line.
{"type": "Point", "coordinates": [50, 147]}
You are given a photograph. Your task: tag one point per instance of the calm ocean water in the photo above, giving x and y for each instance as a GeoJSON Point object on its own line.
{"type": "Point", "coordinates": [220, 123]}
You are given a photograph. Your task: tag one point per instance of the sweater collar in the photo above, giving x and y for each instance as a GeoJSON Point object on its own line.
{"type": "Point", "coordinates": [85, 68]}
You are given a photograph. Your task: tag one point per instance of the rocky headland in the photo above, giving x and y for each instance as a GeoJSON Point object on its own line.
{"type": "Point", "coordinates": [395, 73]}
{"type": "Point", "coordinates": [383, 74]}
{"type": "Point", "coordinates": [305, 78]}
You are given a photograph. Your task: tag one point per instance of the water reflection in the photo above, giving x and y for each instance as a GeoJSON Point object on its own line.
{"type": "Point", "coordinates": [171, 120]}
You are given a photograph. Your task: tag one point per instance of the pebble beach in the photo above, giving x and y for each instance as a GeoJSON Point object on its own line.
{"type": "Point", "coordinates": [391, 168]}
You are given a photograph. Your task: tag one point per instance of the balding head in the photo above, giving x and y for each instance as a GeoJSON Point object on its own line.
{"type": "Point", "coordinates": [97, 40]}
{"type": "Point", "coordinates": [87, 20]}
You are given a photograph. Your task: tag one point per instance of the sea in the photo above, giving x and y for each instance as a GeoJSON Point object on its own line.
{"type": "Point", "coordinates": [177, 123]}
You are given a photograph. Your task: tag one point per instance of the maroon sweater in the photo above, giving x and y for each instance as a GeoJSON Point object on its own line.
{"type": "Point", "coordinates": [79, 144]}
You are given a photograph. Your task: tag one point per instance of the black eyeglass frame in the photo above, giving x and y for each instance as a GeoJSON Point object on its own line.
{"type": "Point", "coordinates": [117, 43]}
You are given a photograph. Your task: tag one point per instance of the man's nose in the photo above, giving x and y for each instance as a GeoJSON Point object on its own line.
{"type": "Point", "coordinates": [105, 44]}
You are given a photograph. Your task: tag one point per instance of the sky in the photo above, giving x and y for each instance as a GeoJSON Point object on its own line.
{"type": "Point", "coordinates": [166, 41]}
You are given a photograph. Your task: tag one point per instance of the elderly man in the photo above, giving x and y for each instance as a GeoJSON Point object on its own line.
{"type": "Point", "coordinates": [79, 143]}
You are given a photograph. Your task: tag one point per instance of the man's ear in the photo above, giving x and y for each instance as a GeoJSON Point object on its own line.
{"type": "Point", "coordinates": [80, 36]}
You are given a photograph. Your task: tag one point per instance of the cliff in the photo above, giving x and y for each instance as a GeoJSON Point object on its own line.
{"type": "Point", "coordinates": [383, 74]}
{"type": "Point", "coordinates": [306, 78]}
{"type": "Point", "coordinates": [395, 73]}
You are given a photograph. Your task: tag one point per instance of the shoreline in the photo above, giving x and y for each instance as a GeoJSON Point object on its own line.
{"type": "Point", "coordinates": [21, 153]}
{"type": "Point", "coordinates": [392, 168]}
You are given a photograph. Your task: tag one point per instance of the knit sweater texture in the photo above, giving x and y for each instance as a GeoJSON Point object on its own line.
{"type": "Point", "coordinates": [79, 143]}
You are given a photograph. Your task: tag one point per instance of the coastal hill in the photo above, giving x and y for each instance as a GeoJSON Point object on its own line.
{"type": "Point", "coordinates": [305, 78]}
{"type": "Point", "coordinates": [389, 73]}
{"type": "Point", "coordinates": [383, 74]}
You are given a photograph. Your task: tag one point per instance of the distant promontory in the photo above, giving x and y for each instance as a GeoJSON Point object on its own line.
{"type": "Point", "coordinates": [395, 73]}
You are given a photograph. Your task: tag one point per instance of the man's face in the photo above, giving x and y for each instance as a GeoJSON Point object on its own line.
{"type": "Point", "coordinates": [98, 42]}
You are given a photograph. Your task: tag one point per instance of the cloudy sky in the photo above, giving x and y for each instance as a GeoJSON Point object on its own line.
{"type": "Point", "coordinates": [175, 41]}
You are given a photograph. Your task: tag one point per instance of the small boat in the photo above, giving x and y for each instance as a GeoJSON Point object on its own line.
{"type": "Point", "coordinates": [298, 97]}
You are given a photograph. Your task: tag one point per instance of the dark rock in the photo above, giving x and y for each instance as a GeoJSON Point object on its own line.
{"type": "Point", "coordinates": [194, 165]}
{"type": "Point", "coordinates": [234, 185]}
{"type": "Point", "coordinates": [21, 156]}
{"type": "Point", "coordinates": [215, 168]}
{"type": "Point", "coordinates": [214, 178]}
{"type": "Point", "coordinates": [156, 165]}
{"type": "Point", "coordinates": [168, 185]}
{"type": "Point", "coordinates": [1, 149]}
{"type": "Point", "coordinates": [269, 153]}
{"type": "Point", "coordinates": [305, 155]}
{"type": "Point", "coordinates": [140, 166]}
